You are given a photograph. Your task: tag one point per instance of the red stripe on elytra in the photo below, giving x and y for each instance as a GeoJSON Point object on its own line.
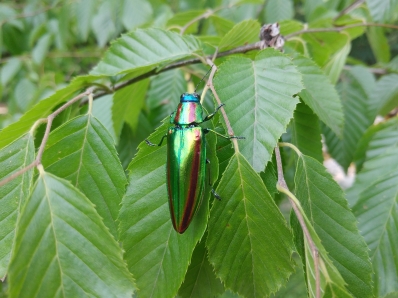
{"type": "Point", "coordinates": [193, 181]}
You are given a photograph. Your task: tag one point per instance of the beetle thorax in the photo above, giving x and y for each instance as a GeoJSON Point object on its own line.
{"type": "Point", "coordinates": [187, 113]}
{"type": "Point", "coordinates": [189, 110]}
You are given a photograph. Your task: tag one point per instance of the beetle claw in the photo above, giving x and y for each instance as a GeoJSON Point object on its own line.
{"type": "Point", "coordinates": [149, 143]}
{"type": "Point", "coordinates": [238, 138]}
{"type": "Point", "coordinates": [216, 195]}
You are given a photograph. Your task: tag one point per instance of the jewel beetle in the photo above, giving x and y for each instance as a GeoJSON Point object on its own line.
{"type": "Point", "coordinates": [186, 159]}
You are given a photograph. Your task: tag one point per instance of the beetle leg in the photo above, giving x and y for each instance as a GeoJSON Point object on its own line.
{"type": "Point", "coordinates": [206, 130]}
{"type": "Point", "coordinates": [152, 144]}
{"type": "Point", "coordinates": [216, 195]}
{"type": "Point", "coordinates": [208, 117]}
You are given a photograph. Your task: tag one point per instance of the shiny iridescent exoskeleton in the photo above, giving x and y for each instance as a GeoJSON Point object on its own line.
{"type": "Point", "coordinates": [186, 159]}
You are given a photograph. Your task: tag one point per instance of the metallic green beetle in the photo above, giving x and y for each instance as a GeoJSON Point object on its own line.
{"type": "Point", "coordinates": [186, 159]}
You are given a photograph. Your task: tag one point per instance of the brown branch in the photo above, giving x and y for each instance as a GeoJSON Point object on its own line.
{"type": "Point", "coordinates": [242, 49]}
{"type": "Point", "coordinates": [282, 186]}
{"type": "Point", "coordinates": [49, 121]}
{"type": "Point", "coordinates": [339, 29]}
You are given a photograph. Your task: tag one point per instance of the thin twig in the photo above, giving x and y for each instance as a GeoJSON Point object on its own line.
{"type": "Point", "coordinates": [194, 20]}
{"type": "Point", "coordinates": [224, 114]}
{"type": "Point", "coordinates": [282, 186]}
{"type": "Point", "coordinates": [339, 29]}
{"type": "Point", "coordinates": [349, 8]}
{"type": "Point", "coordinates": [49, 121]}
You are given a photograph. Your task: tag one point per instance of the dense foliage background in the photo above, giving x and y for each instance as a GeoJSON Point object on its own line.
{"type": "Point", "coordinates": [88, 219]}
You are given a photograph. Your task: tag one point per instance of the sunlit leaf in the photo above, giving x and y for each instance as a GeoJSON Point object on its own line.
{"type": "Point", "coordinates": [319, 94]}
{"type": "Point", "coordinates": [355, 90]}
{"type": "Point", "coordinates": [13, 157]}
{"type": "Point", "coordinates": [326, 208]}
{"type": "Point", "coordinates": [382, 10]}
{"type": "Point", "coordinates": [336, 62]}
{"type": "Point", "coordinates": [385, 95]}
{"type": "Point", "coordinates": [83, 152]}
{"type": "Point", "coordinates": [374, 194]}
{"type": "Point", "coordinates": [259, 100]}
{"type": "Point", "coordinates": [278, 10]}
{"type": "Point", "coordinates": [249, 243]}
{"type": "Point", "coordinates": [241, 34]}
{"type": "Point", "coordinates": [42, 109]}
{"type": "Point", "coordinates": [63, 249]}
{"type": "Point", "coordinates": [144, 49]}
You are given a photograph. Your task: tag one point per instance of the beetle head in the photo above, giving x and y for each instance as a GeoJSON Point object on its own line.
{"type": "Point", "coordinates": [190, 97]}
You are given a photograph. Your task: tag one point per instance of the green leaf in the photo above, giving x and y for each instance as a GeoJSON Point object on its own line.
{"type": "Point", "coordinates": [84, 13]}
{"type": "Point", "coordinates": [337, 61]}
{"type": "Point", "coordinates": [24, 94]}
{"type": "Point", "coordinates": [164, 94]}
{"type": "Point", "coordinates": [306, 132]}
{"type": "Point", "coordinates": [40, 51]}
{"type": "Point", "coordinates": [63, 249]}
{"type": "Point", "coordinates": [42, 109]}
{"type": "Point", "coordinates": [375, 196]}
{"type": "Point", "coordinates": [136, 13]}
{"type": "Point", "coordinates": [259, 103]}
{"type": "Point", "coordinates": [179, 20]}
{"type": "Point", "coordinates": [331, 282]}
{"type": "Point", "coordinates": [155, 253]}
{"type": "Point", "coordinates": [14, 157]}
{"type": "Point", "coordinates": [145, 49]}
{"type": "Point", "coordinates": [103, 25]}
{"type": "Point", "coordinates": [295, 286]}
{"type": "Point", "coordinates": [249, 243]}
{"type": "Point", "coordinates": [379, 43]}
{"type": "Point", "coordinates": [102, 111]}
{"type": "Point", "coordinates": [130, 140]}
{"type": "Point", "coordinates": [221, 25]}
{"type": "Point", "coordinates": [319, 94]}
{"type": "Point", "coordinates": [9, 70]}
{"type": "Point", "coordinates": [278, 10]}
{"type": "Point", "coordinates": [326, 207]}
{"type": "Point", "coordinates": [363, 145]}
{"type": "Point", "coordinates": [355, 91]}
{"type": "Point", "coordinates": [243, 33]}
{"type": "Point", "coordinates": [200, 280]}
{"type": "Point", "coordinates": [269, 177]}
{"type": "Point", "coordinates": [382, 10]}
{"type": "Point", "coordinates": [324, 46]}
{"type": "Point", "coordinates": [385, 95]}
{"type": "Point", "coordinates": [290, 26]}
{"type": "Point", "coordinates": [83, 152]}
{"type": "Point", "coordinates": [127, 105]}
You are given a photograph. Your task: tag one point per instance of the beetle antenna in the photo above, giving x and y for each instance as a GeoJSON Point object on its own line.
{"type": "Point", "coordinates": [203, 78]}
